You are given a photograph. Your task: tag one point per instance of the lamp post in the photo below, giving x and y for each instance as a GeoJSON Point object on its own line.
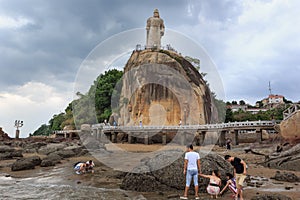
{"type": "Point", "coordinates": [18, 124]}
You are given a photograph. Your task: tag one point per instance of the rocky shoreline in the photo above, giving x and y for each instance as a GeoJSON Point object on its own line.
{"type": "Point", "coordinates": [24, 157]}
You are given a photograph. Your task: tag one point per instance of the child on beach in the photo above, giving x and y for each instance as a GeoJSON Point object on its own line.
{"type": "Point", "coordinates": [213, 187]}
{"type": "Point", "coordinates": [231, 184]}
{"type": "Point", "coordinates": [90, 166]}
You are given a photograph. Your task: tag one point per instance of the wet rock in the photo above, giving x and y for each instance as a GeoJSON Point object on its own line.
{"type": "Point", "coordinates": [285, 160]}
{"type": "Point", "coordinates": [33, 147]}
{"type": "Point", "coordinates": [271, 197]}
{"type": "Point", "coordinates": [75, 148]}
{"type": "Point", "coordinates": [26, 163]}
{"type": "Point", "coordinates": [286, 176]}
{"type": "Point", "coordinates": [65, 153]}
{"type": "Point", "coordinates": [147, 177]}
{"type": "Point", "coordinates": [288, 187]}
{"type": "Point", "coordinates": [51, 160]}
{"type": "Point", "coordinates": [47, 163]}
{"type": "Point", "coordinates": [5, 149]}
{"type": "Point", "coordinates": [11, 154]}
{"type": "Point", "coordinates": [49, 148]}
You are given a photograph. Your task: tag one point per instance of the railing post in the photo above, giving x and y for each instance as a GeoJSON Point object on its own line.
{"type": "Point", "coordinates": [164, 138]}
{"type": "Point", "coordinates": [258, 135]}
{"type": "Point", "coordinates": [114, 137]}
{"type": "Point", "coordinates": [222, 138]}
{"type": "Point", "coordinates": [146, 139]}
{"type": "Point", "coordinates": [130, 138]}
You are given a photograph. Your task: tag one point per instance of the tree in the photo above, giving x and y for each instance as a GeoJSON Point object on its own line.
{"type": "Point", "coordinates": [104, 92]}
{"type": "Point", "coordinates": [234, 103]}
{"type": "Point", "coordinates": [242, 102]}
{"type": "Point", "coordinates": [194, 61]}
{"type": "Point", "coordinates": [56, 122]}
{"type": "Point", "coordinates": [43, 130]}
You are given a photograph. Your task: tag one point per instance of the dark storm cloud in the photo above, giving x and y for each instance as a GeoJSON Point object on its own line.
{"type": "Point", "coordinates": [60, 34]}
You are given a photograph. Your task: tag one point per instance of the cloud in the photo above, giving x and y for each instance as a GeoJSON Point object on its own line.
{"type": "Point", "coordinates": [34, 103]}
{"type": "Point", "coordinates": [7, 22]}
{"type": "Point", "coordinates": [252, 43]}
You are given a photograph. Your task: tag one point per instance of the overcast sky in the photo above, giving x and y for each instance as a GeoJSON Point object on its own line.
{"type": "Point", "coordinates": [43, 44]}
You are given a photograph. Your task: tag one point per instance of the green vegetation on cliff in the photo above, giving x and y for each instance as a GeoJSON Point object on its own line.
{"type": "Point", "coordinates": [99, 96]}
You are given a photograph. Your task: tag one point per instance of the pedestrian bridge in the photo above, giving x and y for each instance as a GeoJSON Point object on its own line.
{"type": "Point", "coordinates": [198, 134]}
{"type": "Point", "coordinates": [204, 127]}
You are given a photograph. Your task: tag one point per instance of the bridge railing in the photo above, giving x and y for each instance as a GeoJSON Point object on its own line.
{"type": "Point", "coordinates": [183, 127]}
{"type": "Point", "coordinates": [290, 111]}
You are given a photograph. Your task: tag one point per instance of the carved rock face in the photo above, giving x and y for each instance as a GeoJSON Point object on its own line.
{"type": "Point", "coordinates": [162, 88]}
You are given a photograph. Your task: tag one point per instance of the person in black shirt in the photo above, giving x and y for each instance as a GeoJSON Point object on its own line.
{"type": "Point", "coordinates": [240, 171]}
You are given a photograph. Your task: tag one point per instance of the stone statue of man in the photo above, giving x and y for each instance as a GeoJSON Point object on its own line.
{"type": "Point", "coordinates": [155, 30]}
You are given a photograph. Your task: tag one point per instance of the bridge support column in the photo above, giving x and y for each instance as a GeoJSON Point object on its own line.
{"type": "Point", "coordinates": [164, 138]}
{"type": "Point", "coordinates": [183, 138]}
{"type": "Point", "coordinates": [98, 134]}
{"type": "Point", "coordinates": [201, 137]}
{"type": "Point", "coordinates": [65, 134]}
{"type": "Point", "coordinates": [222, 138]}
{"type": "Point", "coordinates": [258, 135]}
{"type": "Point", "coordinates": [235, 136]}
{"type": "Point", "coordinates": [130, 138]}
{"type": "Point", "coordinates": [146, 139]}
{"type": "Point", "coordinates": [114, 137]}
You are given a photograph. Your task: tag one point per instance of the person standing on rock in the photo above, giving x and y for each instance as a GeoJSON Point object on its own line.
{"type": "Point", "coordinates": [240, 171]}
{"type": "Point", "coordinates": [191, 169]}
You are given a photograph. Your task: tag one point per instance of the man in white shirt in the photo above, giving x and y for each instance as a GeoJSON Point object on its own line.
{"type": "Point", "coordinates": [191, 170]}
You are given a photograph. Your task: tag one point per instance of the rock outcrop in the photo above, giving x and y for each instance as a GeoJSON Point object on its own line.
{"type": "Point", "coordinates": [3, 136]}
{"type": "Point", "coordinates": [171, 176]}
{"type": "Point", "coordinates": [162, 88]}
{"type": "Point", "coordinates": [26, 163]}
{"type": "Point", "coordinates": [286, 176]}
{"type": "Point", "coordinates": [286, 160]}
{"type": "Point", "coordinates": [290, 128]}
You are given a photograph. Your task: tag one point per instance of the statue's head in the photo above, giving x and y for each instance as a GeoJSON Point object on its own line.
{"type": "Point", "coordinates": [156, 13]}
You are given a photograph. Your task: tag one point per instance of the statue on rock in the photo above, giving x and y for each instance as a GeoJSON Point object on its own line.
{"type": "Point", "coordinates": [155, 30]}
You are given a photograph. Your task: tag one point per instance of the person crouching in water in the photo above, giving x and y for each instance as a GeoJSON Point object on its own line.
{"type": "Point", "coordinates": [80, 168]}
{"type": "Point", "coordinates": [90, 166]}
{"type": "Point", "coordinates": [213, 187]}
{"type": "Point", "coordinates": [231, 184]}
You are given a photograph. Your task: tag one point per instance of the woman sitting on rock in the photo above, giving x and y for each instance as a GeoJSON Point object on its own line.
{"type": "Point", "coordinates": [213, 187]}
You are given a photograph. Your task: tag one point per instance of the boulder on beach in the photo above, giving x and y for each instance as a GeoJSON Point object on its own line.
{"type": "Point", "coordinates": [26, 163]}
{"type": "Point", "coordinates": [7, 152]}
{"type": "Point", "coordinates": [286, 176]}
{"type": "Point", "coordinates": [171, 177]}
{"type": "Point", "coordinates": [52, 147]}
{"type": "Point", "coordinates": [51, 160]}
{"type": "Point", "coordinates": [285, 160]}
